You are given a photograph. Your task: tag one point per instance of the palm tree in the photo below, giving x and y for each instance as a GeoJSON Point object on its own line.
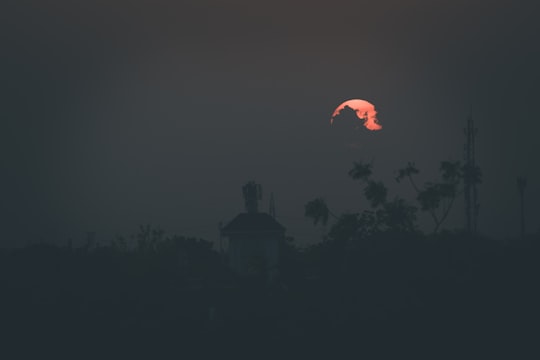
{"type": "Point", "coordinates": [361, 171]}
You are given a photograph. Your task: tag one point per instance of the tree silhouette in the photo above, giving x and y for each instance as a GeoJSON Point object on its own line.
{"type": "Point", "coordinates": [361, 171]}
{"type": "Point", "coordinates": [318, 211]}
{"type": "Point", "coordinates": [395, 215]}
{"type": "Point", "coordinates": [385, 215]}
{"type": "Point", "coordinates": [345, 227]}
{"type": "Point", "coordinates": [399, 216]}
{"type": "Point", "coordinates": [436, 198]}
{"type": "Point", "coordinates": [376, 193]}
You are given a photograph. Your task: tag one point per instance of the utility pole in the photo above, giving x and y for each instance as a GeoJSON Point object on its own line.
{"type": "Point", "coordinates": [522, 184]}
{"type": "Point", "coordinates": [470, 178]}
{"type": "Point", "coordinates": [220, 225]}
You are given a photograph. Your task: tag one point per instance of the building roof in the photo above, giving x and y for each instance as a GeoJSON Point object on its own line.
{"type": "Point", "coordinates": [252, 223]}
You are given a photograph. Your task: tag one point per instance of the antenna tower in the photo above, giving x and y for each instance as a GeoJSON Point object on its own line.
{"type": "Point", "coordinates": [470, 177]}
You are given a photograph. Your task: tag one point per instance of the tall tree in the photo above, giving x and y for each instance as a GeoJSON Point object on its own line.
{"type": "Point", "coordinates": [436, 198]}
{"type": "Point", "coordinates": [395, 215]}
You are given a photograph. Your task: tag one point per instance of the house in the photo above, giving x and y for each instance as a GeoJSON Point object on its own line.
{"type": "Point", "coordinates": [254, 238]}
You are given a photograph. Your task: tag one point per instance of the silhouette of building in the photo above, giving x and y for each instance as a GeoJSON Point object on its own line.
{"type": "Point", "coordinates": [254, 238]}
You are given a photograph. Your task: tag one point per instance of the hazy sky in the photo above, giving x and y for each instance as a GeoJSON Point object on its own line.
{"type": "Point", "coordinates": [117, 113]}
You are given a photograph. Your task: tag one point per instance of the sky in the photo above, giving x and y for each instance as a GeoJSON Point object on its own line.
{"type": "Point", "coordinates": [119, 113]}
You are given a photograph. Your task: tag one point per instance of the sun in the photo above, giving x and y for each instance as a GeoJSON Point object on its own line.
{"type": "Point", "coordinates": [364, 111]}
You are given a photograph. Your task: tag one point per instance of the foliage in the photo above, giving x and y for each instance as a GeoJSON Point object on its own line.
{"type": "Point", "coordinates": [407, 171]}
{"type": "Point", "coordinates": [317, 210]}
{"type": "Point", "coordinates": [375, 192]}
{"type": "Point", "coordinates": [361, 171]}
{"type": "Point", "coordinates": [346, 227]}
{"type": "Point", "coordinates": [395, 215]}
{"type": "Point", "coordinates": [148, 238]}
{"type": "Point", "coordinates": [437, 198]}
{"type": "Point", "coordinates": [398, 216]}
{"type": "Point", "coordinates": [434, 197]}
{"type": "Point", "coordinates": [394, 286]}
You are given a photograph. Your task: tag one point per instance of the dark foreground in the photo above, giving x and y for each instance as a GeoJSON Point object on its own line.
{"type": "Point", "coordinates": [389, 297]}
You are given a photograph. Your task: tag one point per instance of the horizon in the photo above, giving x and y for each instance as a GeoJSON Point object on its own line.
{"type": "Point", "coordinates": [136, 132]}
{"type": "Point", "coordinates": [123, 113]}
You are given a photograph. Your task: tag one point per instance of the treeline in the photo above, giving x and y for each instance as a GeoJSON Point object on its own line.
{"type": "Point", "coordinates": [390, 293]}
{"type": "Point", "coordinates": [96, 297]}
{"type": "Point", "coordinates": [376, 286]}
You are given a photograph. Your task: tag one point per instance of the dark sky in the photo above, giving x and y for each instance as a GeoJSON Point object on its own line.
{"type": "Point", "coordinates": [117, 113]}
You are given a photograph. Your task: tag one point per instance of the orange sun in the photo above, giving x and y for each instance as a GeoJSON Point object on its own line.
{"type": "Point", "coordinates": [364, 111]}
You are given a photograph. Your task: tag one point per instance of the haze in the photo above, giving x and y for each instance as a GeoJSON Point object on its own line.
{"type": "Point", "coordinates": [122, 113]}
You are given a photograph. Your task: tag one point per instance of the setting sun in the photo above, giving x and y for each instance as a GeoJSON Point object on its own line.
{"type": "Point", "coordinates": [364, 111]}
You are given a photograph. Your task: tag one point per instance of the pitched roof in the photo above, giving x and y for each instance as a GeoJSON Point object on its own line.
{"type": "Point", "coordinates": [252, 222]}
